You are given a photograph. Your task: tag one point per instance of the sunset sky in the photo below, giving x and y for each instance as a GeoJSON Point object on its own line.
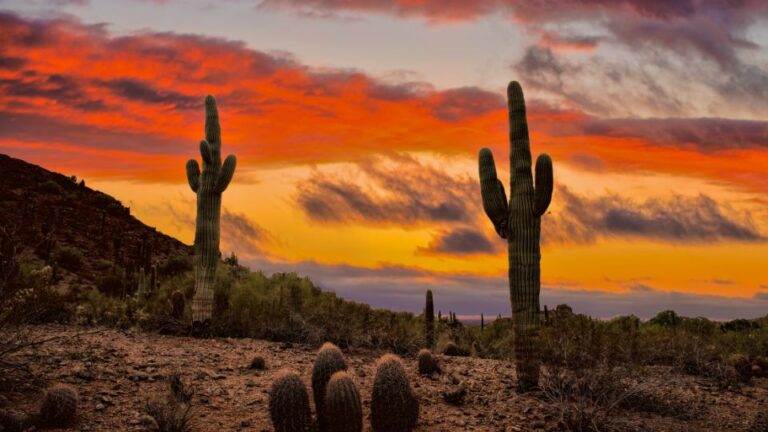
{"type": "Point", "coordinates": [357, 124]}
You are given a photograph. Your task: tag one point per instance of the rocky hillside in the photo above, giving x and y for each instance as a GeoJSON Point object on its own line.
{"type": "Point", "coordinates": [79, 231]}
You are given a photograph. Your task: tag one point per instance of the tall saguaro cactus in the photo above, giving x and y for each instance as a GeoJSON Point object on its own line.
{"type": "Point", "coordinates": [208, 185]}
{"type": "Point", "coordinates": [519, 221]}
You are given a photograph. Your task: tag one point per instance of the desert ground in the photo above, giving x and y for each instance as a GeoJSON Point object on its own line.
{"type": "Point", "coordinates": [117, 371]}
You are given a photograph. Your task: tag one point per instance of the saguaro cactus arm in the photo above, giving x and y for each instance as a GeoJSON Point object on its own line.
{"type": "Point", "coordinates": [542, 195]}
{"type": "Point", "coordinates": [227, 171]}
{"type": "Point", "coordinates": [492, 190]}
{"type": "Point", "coordinates": [205, 153]}
{"type": "Point", "coordinates": [193, 174]}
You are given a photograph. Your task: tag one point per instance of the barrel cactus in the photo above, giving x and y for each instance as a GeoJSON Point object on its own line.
{"type": "Point", "coordinates": [59, 406]}
{"type": "Point", "coordinates": [208, 185]}
{"type": "Point", "coordinates": [519, 221]}
{"type": "Point", "coordinates": [429, 321]}
{"type": "Point", "coordinates": [427, 362]}
{"type": "Point", "coordinates": [329, 360]}
{"type": "Point", "coordinates": [289, 403]}
{"type": "Point", "coordinates": [394, 407]}
{"type": "Point", "coordinates": [343, 410]}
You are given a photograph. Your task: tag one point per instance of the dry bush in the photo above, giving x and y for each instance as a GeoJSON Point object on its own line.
{"type": "Point", "coordinates": [585, 398]}
{"type": "Point", "coordinates": [172, 412]}
{"type": "Point", "coordinates": [666, 402]}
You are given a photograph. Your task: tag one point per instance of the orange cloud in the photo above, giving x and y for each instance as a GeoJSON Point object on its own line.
{"type": "Point", "coordinates": [131, 106]}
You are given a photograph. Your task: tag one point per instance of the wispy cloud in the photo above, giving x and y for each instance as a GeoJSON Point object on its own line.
{"type": "Point", "coordinates": [407, 192]}
{"type": "Point", "coordinates": [676, 219]}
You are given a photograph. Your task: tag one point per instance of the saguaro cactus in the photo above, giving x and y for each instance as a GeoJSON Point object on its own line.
{"type": "Point", "coordinates": [519, 221]}
{"type": "Point", "coordinates": [208, 186]}
{"type": "Point", "coordinates": [429, 321]}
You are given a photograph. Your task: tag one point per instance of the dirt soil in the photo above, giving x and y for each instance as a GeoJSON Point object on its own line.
{"type": "Point", "coordinates": [116, 372]}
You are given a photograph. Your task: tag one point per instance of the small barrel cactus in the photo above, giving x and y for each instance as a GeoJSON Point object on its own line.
{"type": "Point", "coordinates": [329, 360]}
{"type": "Point", "coordinates": [427, 362]}
{"type": "Point", "coordinates": [343, 410]}
{"type": "Point", "coordinates": [394, 407]}
{"type": "Point", "coordinates": [451, 349]}
{"type": "Point", "coordinates": [59, 406]}
{"type": "Point", "coordinates": [258, 363]}
{"type": "Point", "coordinates": [742, 365]}
{"type": "Point", "coordinates": [289, 403]}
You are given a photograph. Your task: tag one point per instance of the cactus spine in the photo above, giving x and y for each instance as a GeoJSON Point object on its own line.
{"type": "Point", "coordinates": [394, 407]}
{"type": "Point", "coordinates": [208, 185]}
{"type": "Point", "coordinates": [429, 321]}
{"type": "Point", "coordinates": [329, 360]}
{"type": "Point", "coordinates": [289, 403]}
{"type": "Point", "coordinates": [343, 410]}
{"type": "Point", "coordinates": [519, 221]}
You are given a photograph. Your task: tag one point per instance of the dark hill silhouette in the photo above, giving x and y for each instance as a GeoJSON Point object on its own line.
{"type": "Point", "coordinates": [79, 231]}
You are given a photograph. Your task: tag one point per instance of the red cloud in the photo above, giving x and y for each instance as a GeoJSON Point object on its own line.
{"type": "Point", "coordinates": [73, 95]}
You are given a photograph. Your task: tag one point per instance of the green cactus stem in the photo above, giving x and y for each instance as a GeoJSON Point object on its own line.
{"type": "Point", "coordinates": [289, 403]}
{"type": "Point", "coordinates": [429, 321]}
{"type": "Point", "coordinates": [329, 360]}
{"type": "Point", "coordinates": [394, 406]}
{"type": "Point", "coordinates": [519, 221]}
{"type": "Point", "coordinates": [343, 410]}
{"type": "Point", "coordinates": [208, 185]}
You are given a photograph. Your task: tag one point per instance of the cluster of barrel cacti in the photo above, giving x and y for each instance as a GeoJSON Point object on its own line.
{"type": "Point", "coordinates": [338, 406]}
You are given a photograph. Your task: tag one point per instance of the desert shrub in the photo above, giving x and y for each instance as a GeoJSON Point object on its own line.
{"type": "Point", "coordinates": [174, 265]}
{"type": "Point", "coordinates": [50, 187]}
{"type": "Point", "coordinates": [96, 308]}
{"type": "Point", "coordinates": [666, 402]}
{"type": "Point", "coordinates": [179, 389]}
{"type": "Point", "coordinates": [113, 283]}
{"type": "Point", "coordinates": [69, 257]}
{"type": "Point", "coordinates": [171, 412]}
{"type": "Point", "coordinates": [667, 319]}
{"type": "Point", "coordinates": [585, 398]}
{"type": "Point", "coordinates": [102, 265]}
{"type": "Point", "coordinates": [738, 325]}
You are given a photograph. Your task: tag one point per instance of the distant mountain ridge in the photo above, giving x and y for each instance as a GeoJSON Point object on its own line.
{"type": "Point", "coordinates": [54, 216]}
